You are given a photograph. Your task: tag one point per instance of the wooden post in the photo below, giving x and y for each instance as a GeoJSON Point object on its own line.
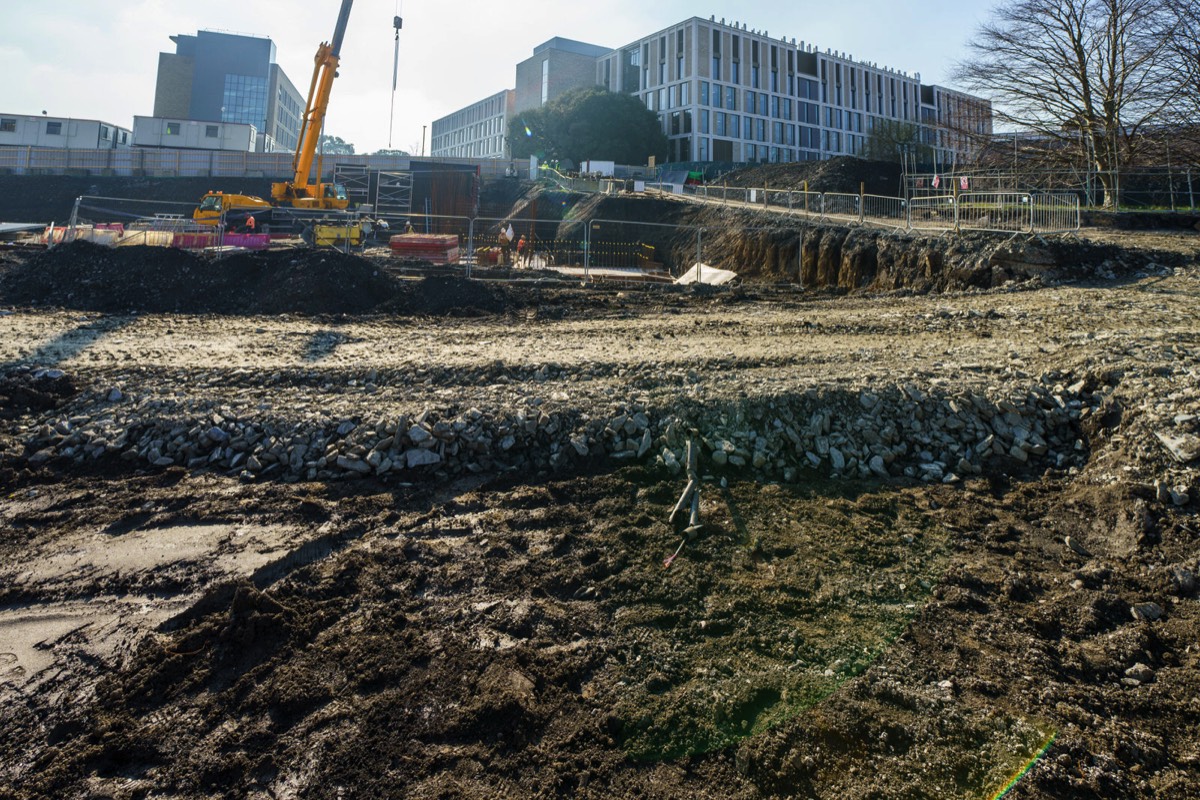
{"type": "Point", "coordinates": [800, 261]}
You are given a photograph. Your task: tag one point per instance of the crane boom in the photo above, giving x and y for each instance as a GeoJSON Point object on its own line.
{"type": "Point", "coordinates": [299, 192]}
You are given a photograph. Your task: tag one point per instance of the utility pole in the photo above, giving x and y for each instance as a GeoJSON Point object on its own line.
{"type": "Point", "coordinates": [1170, 176]}
{"type": "Point", "coordinates": [423, 127]}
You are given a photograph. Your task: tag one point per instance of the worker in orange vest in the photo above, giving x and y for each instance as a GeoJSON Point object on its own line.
{"type": "Point", "coordinates": [251, 224]}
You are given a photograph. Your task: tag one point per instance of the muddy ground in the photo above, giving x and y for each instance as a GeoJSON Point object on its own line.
{"type": "Point", "coordinates": [201, 631]}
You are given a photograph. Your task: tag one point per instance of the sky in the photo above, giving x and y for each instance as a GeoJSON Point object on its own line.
{"type": "Point", "coordinates": [98, 60]}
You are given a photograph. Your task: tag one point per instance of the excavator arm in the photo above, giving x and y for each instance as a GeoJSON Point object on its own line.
{"type": "Point", "coordinates": [299, 191]}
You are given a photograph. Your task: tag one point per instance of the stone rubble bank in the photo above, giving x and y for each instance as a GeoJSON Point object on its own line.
{"type": "Point", "coordinates": [934, 433]}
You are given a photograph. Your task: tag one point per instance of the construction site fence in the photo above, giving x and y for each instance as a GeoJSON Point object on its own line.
{"type": "Point", "coordinates": [1001, 212]}
{"type": "Point", "coordinates": [179, 163]}
{"type": "Point", "coordinates": [1161, 187]}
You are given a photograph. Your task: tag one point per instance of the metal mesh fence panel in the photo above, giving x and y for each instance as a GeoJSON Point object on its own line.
{"type": "Point", "coordinates": [931, 213]}
{"type": "Point", "coordinates": [841, 207]}
{"type": "Point", "coordinates": [886, 211]}
{"type": "Point", "coordinates": [1055, 213]}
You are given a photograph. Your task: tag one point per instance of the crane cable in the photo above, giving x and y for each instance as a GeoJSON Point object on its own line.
{"type": "Point", "coordinates": [397, 22]}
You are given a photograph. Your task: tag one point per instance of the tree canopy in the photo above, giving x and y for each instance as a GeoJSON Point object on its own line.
{"type": "Point", "coordinates": [590, 123]}
{"type": "Point", "coordinates": [335, 146]}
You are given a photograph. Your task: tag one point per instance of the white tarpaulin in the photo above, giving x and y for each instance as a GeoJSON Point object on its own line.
{"type": "Point", "coordinates": [703, 273]}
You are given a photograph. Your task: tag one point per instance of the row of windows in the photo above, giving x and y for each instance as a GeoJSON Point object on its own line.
{"type": "Point", "coordinates": [482, 130]}
{"type": "Point", "coordinates": [776, 107]}
{"type": "Point", "coordinates": [724, 150]}
{"type": "Point", "coordinates": [287, 120]}
{"type": "Point", "coordinates": [176, 129]}
{"type": "Point", "coordinates": [487, 148]}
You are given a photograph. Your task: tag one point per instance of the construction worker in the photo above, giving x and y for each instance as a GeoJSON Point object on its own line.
{"type": "Point", "coordinates": [250, 224]}
{"type": "Point", "coordinates": [505, 246]}
{"type": "Point", "coordinates": [521, 245]}
{"type": "Point", "coordinates": [408, 226]}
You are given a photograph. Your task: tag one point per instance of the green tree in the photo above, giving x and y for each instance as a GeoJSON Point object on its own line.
{"type": "Point", "coordinates": [386, 152]}
{"type": "Point", "coordinates": [590, 123]}
{"type": "Point", "coordinates": [335, 146]}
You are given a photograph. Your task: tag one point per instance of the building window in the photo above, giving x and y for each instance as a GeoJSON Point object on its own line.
{"type": "Point", "coordinates": [124, 137]}
{"type": "Point", "coordinates": [212, 131]}
{"type": "Point", "coordinates": [54, 129]}
{"type": "Point", "coordinates": [105, 133]}
{"type": "Point", "coordinates": [545, 81]}
{"type": "Point", "coordinates": [173, 128]}
{"type": "Point", "coordinates": [8, 125]}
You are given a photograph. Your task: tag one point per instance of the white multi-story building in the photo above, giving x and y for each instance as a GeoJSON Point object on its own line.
{"type": "Point", "coordinates": [725, 92]}
{"type": "Point", "coordinates": [477, 131]}
{"type": "Point", "coordinates": [62, 132]}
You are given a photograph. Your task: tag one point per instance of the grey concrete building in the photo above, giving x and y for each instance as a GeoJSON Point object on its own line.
{"type": "Point", "coordinates": [555, 68]}
{"type": "Point", "coordinates": [480, 129]}
{"type": "Point", "coordinates": [224, 77]}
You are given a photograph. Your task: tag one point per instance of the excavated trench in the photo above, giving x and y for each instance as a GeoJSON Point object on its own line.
{"type": "Point", "coordinates": [766, 246]}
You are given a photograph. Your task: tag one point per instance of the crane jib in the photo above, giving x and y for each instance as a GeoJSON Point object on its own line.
{"type": "Point", "coordinates": [339, 33]}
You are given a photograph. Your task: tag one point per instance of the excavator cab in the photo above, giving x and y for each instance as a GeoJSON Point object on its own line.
{"type": "Point", "coordinates": [335, 191]}
{"type": "Point", "coordinates": [211, 202]}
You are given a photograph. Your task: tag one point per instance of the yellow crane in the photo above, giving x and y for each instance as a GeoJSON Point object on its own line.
{"type": "Point", "coordinates": [299, 192]}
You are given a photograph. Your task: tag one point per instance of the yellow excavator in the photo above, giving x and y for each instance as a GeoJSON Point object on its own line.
{"type": "Point", "coordinates": [299, 192]}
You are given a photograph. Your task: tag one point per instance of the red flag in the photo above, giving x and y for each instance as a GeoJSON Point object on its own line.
{"type": "Point", "coordinates": [937, 181]}
{"type": "Point", "coordinates": [963, 183]}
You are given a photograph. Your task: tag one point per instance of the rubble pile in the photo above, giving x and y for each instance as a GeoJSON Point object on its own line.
{"type": "Point", "coordinates": [933, 434]}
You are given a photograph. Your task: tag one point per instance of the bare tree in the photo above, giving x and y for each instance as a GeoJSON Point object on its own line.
{"type": "Point", "coordinates": [1183, 39]}
{"type": "Point", "coordinates": [1085, 76]}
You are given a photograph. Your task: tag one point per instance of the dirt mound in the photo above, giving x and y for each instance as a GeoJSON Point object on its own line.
{"type": "Point", "coordinates": [159, 280]}
{"type": "Point", "coordinates": [444, 296]}
{"type": "Point", "coordinates": [33, 390]}
{"type": "Point", "coordinates": [303, 281]}
{"type": "Point", "coordinates": [836, 175]}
